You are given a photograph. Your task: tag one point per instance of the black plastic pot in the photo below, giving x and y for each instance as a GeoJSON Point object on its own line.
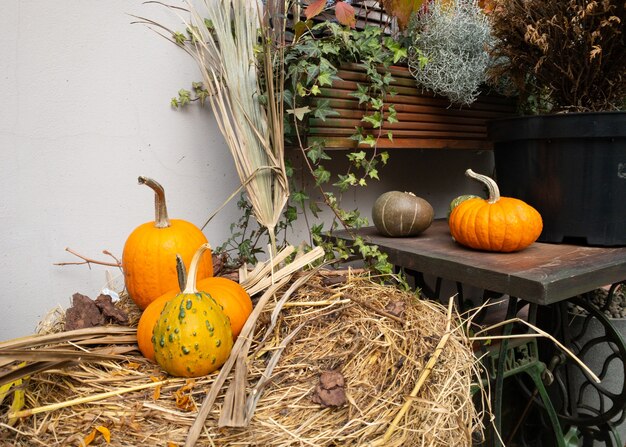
{"type": "Point", "coordinates": [571, 168]}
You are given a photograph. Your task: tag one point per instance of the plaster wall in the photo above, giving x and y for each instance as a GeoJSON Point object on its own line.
{"type": "Point", "coordinates": [84, 110]}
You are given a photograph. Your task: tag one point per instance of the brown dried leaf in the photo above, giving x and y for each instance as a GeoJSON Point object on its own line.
{"type": "Point", "coordinates": [330, 392]}
{"type": "Point", "coordinates": [84, 313]}
{"type": "Point", "coordinates": [396, 308]}
{"type": "Point", "coordinates": [109, 311]}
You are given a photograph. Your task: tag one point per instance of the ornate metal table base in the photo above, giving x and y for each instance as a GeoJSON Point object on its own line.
{"type": "Point", "coordinates": [563, 405]}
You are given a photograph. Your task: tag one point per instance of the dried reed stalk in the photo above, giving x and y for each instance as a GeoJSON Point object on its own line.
{"type": "Point", "coordinates": [253, 130]}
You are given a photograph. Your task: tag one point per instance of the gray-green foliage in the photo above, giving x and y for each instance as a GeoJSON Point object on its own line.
{"type": "Point", "coordinates": [454, 38]}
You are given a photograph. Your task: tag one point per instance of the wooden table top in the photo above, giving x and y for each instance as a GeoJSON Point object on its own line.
{"type": "Point", "coordinates": [542, 273]}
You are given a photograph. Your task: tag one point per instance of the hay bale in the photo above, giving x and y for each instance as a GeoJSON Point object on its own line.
{"type": "Point", "coordinates": [377, 339]}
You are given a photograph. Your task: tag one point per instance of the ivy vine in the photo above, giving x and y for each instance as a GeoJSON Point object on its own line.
{"type": "Point", "coordinates": [312, 63]}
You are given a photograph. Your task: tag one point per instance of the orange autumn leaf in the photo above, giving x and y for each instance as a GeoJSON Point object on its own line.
{"type": "Point", "coordinates": [345, 14]}
{"type": "Point", "coordinates": [90, 437]}
{"type": "Point", "coordinates": [172, 444]}
{"type": "Point", "coordinates": [401, 10]}
{"type": "Point", "coordinates": [314, 8]}
{"type": "Point", "coordinates": [157, 392]}
{"type": "Point", "coordinates": [105, 433]}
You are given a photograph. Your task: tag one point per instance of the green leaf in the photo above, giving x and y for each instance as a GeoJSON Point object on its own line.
{"type": "Point", "coordinates": [299, 197]}
{"type": "Point", "coordinates": [384, 156]}
{"type": "Point", "coordinates": [324, 79]}
{"type": "Point", "coordinates": [362, 93]}
{"type": "Point", "coordinates": [375, 119]}
{"type": "Point", "coordinates": [315, 90]}
{"type": "Point", "coordinates": [356, 156]}
{"type": "Point", "coordinates": [179, 38]}
{"type": "Point", "coordinates": [370, 140]}
{"type": "Point", "coordinates": [291, 214]}
{"type": "Point", "coordinates": [321, 175]}
{"type": "Point", "coordinates": [323, 110]}
{"type": "Point", "coordinates": [316, 152]}
{"type": "Point", "coordinates": [315, 210]}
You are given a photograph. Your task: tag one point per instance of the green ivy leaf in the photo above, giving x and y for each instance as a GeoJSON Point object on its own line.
{"type": "Point", "coordinates": [375, 119]}
{"type": "Point", "coordinates": [362, 93]}
{"type": "Point", "coordinates": [324, 79]}
{"type": "Point", "coordinates": [299, 197]}
{"type": "Point", "coordinates": [323, 110]}
{"type": "Point", "coordinates": [321, 175]}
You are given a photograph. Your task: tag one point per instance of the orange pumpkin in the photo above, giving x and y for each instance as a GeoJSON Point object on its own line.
{"type": "Point", "coordinates": [235, 302]}
{"type": "Point", "coordinates": [149, 256]}
{"type": "Point", "coordinates": [502, 224]}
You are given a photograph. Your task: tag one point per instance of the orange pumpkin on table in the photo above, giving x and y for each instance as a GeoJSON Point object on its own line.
{"type": "Point", "coordinates": [502, 224]}
{"type": "Point", "coordinates": [149, 256]}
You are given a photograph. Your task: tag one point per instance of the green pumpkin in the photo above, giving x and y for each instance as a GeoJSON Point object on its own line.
{"type": "Point", "coordinates": [458, 200]}
{"type": "Point", "coordinates": [192, 337]}
{"type": "Point", "coordinates": [398, 214]}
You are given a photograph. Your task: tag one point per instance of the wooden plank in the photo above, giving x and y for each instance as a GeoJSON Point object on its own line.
{"type": "Point", "coordinates": [397, 134]}
{"type": "Point", "coordinates": [342, 143]}
{"type": "Point", "coordinates": [350, 104]}
{"type": "Point", "coordinates": [541, 274]}
{"type": "Point", "coordinates": [402, 125]}
{"type": "Point", "coordinates": [467, 120]}
{"type": "Point", "coordinates": [410, 96]}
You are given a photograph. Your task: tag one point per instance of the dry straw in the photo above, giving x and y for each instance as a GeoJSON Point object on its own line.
{"type": "Point", "coordinates": [408, 379]}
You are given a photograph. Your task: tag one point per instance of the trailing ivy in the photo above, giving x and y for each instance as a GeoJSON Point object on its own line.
{"type": "Point", "coordinates": [312, 63]}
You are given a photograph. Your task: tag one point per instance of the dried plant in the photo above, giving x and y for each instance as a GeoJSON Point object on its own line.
{"type": "Point", "coordinates": [571, 52]}
{"type": "Point", "coordinates": [453, 37]}
{"type": "Point", "coordinates": [239, 48]}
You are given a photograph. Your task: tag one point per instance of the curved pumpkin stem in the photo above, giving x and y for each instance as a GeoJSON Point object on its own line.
{"type": "Point", "coordinates": [190, 286]}
{"type": "Point", "coordinates": [492, 186]}
{"type": "Point", "coordinates": [160, 209]}
{"type": "Point", "coordinates": [181, 273]}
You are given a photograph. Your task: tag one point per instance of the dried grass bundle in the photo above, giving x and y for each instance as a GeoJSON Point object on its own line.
{"type": "Point", "coordinates": [346, 328]}
{"type": "Point", "coordinates": [245, 90]}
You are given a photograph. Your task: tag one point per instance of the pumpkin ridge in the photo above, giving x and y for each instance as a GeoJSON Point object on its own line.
{"type": "Point", "coordinates": [384, 221]}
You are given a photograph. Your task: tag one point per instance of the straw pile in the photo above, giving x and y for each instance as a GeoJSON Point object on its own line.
{"type": "Point", "coordinates": [377, 339]}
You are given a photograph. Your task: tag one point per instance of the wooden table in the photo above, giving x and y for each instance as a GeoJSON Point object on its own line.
{"type": "Point", "coordinates": [542, 275]}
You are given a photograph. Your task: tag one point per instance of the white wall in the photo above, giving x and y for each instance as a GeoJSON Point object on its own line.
{"type": "Point", "coordinates": [84, 110]}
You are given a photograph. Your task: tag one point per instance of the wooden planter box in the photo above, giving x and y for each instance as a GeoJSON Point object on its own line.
{"type": "Point", "coordinates": [426, 120]}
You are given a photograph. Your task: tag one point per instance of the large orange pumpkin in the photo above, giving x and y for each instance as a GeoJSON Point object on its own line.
{"type": "Point", "coordinates": [502, 224]}
{"type": "Point", "coordinates": [235, 302]}
{"type": "Point", "coordinates": [149, 256]}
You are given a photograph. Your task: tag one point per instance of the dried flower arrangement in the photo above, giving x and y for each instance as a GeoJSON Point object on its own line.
{"type": "Point", "coordinates": [570, 54]}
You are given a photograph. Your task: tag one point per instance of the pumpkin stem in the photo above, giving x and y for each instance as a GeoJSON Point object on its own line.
{"type": "Point", "coordinates": [181, 273]}
{"type": "Point", "coordinates": [492, 186]}
{"type": "Point", "coordinates": [190, 286]}
{"type": "Point", "coordinates": [160, 209]}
